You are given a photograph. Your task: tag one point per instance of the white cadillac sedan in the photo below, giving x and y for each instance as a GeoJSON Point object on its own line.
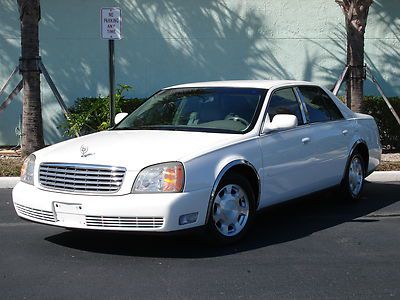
{"type": "Point", "coordinates": [203, 154]}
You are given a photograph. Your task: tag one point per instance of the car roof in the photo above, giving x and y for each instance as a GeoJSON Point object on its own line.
{"type": "Point", "coordinates": [261, 84]}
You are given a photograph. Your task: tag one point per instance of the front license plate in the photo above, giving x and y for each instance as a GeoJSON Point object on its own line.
{"type": "Point", "coordinates": [69, 214]}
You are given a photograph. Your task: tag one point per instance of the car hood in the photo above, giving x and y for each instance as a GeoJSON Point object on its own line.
{"type": "Point", "coordinates": [135, 149]}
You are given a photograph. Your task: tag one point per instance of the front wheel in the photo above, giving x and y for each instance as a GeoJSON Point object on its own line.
{"type": "Point", "coordinates": [232, 209]}
{"type": "Point", "coordinates": [353, 181]}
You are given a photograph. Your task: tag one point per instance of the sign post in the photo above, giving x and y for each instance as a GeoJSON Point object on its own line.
{"type": "Point", "coordinates": [111, 25]}
{"type": "Point", "coordinates": [111, 68]}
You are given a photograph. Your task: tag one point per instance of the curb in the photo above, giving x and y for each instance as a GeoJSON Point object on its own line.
{"type": "Point", "coordinates": [377, 176]}
{"type": "Point", "coordinates": [384, 176]}
{"type": "Point", "coordinates": [8, 182]}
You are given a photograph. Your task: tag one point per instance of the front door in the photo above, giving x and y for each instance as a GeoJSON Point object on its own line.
{"type": "Point", "coordinates": [287, 154]}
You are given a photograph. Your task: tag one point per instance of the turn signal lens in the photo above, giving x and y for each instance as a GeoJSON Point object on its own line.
{"type": "Point", "coordinates": [173, 179]}
{"type": "Point", "coordinates": [162, 178]}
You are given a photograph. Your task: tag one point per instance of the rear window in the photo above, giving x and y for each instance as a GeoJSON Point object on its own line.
{"type": "Point", "coordinates": [319, 105]}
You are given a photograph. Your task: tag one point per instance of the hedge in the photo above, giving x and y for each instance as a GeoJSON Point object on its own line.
{"type": "Point", "coordinates": [91, 114]}
{"type": "Point", "coordinates": [389, 129]}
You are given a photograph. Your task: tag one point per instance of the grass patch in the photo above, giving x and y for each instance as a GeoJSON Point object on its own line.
{"type": "Point", "coordinates": [10, 166]}
{"type": "Point", "coordinates": [389, 166]}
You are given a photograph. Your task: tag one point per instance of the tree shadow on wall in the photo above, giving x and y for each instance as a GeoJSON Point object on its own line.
{"type": "Point", "coordinates": [386, 52]}
{"type": "Point", "coordinates": [171, 41]}
{"type": "Point", "coordinates": [205, 41]}
{"type": "Point", "coordinates": [9, 55]}
{"type": "Point", "coordinates": [165, 42]}
{"type": "Point", "coordinates": [388, 14]}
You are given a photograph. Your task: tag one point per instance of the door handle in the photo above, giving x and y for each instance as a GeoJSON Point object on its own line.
{"type": "Point", "coordinates": [344, 132]}
{"type": "Point", "coordinates": [305, 140]}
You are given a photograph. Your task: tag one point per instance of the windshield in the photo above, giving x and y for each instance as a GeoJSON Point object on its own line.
{"type": "Point", "coordinates": [198, 109]}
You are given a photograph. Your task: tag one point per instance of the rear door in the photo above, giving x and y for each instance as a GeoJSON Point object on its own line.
{"type": "Point", "coordinates": [329, 134]}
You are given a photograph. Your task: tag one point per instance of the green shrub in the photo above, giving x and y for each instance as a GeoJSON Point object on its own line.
{"type": "Point", "coordinates": [389, 129]}
{"type": "Point", "coordinates": [91, 114]}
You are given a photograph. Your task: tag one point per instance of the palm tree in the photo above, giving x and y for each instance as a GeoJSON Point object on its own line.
{"type": "Point", "coordinates": [356, 13]}
{"type": "Point", "coordinates": [32, 128]}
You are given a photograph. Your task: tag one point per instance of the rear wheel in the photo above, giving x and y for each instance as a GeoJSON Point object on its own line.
{"type": "Point", "coordinates": [353, 182]}
{"type": "Point", "coordinates": [232, 209]}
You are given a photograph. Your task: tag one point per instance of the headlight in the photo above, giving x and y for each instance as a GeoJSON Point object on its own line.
{"type": "Point", "coordinates": [27, 169]}
{"type": "Point", "coordinates": [162, 178]}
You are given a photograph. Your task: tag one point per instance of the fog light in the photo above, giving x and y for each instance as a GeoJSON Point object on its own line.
{"type": "Point", "coordinates": [187, 219]}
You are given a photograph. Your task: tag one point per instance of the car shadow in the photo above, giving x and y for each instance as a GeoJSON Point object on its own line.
{"type": "Point", "coordinates": [286, 222]}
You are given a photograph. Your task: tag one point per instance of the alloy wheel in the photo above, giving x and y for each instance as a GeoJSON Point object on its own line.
{"type": "Point", "coordinates": [231, 210]}
{"type": "Point", "coordinates": [356, 175]}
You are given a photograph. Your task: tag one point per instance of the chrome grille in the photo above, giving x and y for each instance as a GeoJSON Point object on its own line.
{"type": "Point", "coordinates": [35, 213]}
{"type": "Point", "coordinates": [125, 222]}
{"type": "Point", "coordinates": [81, 178]}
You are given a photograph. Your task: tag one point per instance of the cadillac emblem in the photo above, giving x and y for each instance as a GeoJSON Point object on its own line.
{"type": "Point", "coordinates": [84, 150]}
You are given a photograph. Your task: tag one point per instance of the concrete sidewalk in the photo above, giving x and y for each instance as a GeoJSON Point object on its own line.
{"type": "Point", "coordinates": [384, 176]}
{"type": "Point", "coordinates": [8, 182]}
{"type": "Point", "coordinates": [377, 176]}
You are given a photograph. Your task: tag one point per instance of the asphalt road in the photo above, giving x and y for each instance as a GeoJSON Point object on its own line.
{"type": "Point", "coordinates": [313, 248]}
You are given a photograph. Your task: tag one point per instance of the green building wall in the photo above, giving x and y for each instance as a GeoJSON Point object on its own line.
{"type": "Point", "coordinates": [167, 42]}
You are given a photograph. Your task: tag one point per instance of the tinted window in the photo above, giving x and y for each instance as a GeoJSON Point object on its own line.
{"type": "Point", "coordinates": [284, 102]}
{"type": "Point", "coordinates": [319, 105]}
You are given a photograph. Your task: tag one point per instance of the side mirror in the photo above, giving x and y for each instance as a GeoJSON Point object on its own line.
{"type": "Point", "coordinates": [280, 122]}
{"type": "Point", "coordinates": [118, 117]}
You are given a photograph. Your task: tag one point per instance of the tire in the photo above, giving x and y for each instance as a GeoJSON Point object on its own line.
{"type": "Point", "coordinates": [353, 181]}
{"type": "Point", "coordinates": [232, 210]}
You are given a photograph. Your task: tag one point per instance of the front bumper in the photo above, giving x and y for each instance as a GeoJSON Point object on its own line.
{"type": "Point", "coordinates": [131, 212]}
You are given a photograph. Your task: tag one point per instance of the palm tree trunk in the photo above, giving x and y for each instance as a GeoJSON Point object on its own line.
{"type": "Point", "coordinates": [356, 14]}
{"type": "Point", "coordinates": [355, 59]}
{"type": "Point", "coordinates": [32, 125]}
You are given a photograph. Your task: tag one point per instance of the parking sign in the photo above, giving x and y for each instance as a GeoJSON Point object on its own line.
{"type": "Point", "coordinates": [111, 23]}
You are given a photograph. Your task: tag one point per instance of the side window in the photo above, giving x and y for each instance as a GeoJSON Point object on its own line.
{"type": "Point", "coordinates": [319, 105]}
{"type": "Point", "coordinates": [284, 102]}
{"type": "Point", "coordinates": [332, 108]}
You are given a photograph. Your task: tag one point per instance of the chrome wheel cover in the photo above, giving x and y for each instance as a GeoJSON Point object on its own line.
{"type": "Point", "coordinates": [230, 210]}
{"type": "Point", "coordinates": [356, 176]}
